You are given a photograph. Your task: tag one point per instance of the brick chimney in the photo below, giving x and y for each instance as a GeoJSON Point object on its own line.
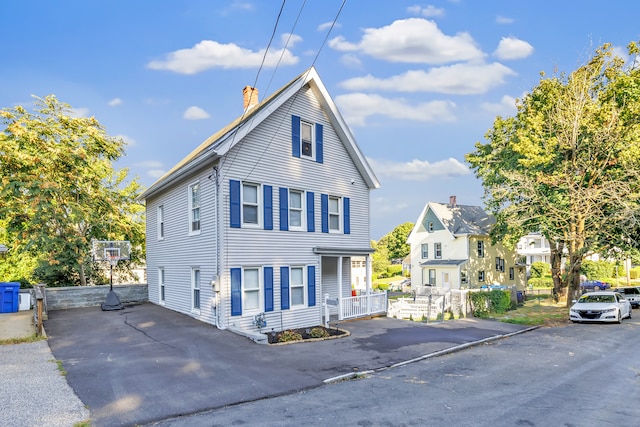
{"type": "Point", "coordinates": [452, 201]}
{"type": "Point", "coordinates": [250, 97]}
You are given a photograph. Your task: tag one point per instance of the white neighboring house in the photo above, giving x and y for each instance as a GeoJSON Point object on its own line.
{"type": "Point", "coordinates": [263, 219]}
{"type": "Point", "coordinates": [451, 249]}
{"type": "Point", "coordinates": [535, 248]}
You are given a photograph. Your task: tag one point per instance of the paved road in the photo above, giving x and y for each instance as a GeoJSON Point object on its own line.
{"type": "Point", "coordinates": [146, 363]}
{"type": "Point", "coordinates": [577, 375]}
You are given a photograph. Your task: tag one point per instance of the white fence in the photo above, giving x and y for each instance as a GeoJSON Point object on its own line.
{"type": "Point", "coordinates": [430, 305]}
{"type": "Point", "coordinates": [363, 305]}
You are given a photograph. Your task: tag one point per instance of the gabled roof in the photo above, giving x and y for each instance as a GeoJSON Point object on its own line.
{"type": "Point", "coordinates": [457, 219]}
{"type": "Point", "coordinates": [218, 144]}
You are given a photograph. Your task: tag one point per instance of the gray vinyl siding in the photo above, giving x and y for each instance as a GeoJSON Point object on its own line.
{"type": "Point", "coordinates": [264, 157]}
{"type": "Point", "coordinates": [179, 252]}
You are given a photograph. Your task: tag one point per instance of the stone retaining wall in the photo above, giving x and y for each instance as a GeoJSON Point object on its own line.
{"type": "Point", "coordinates": [89, 296]}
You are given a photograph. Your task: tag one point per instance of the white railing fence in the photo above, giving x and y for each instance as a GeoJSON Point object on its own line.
{"type": "Point", "coordinates": [430, 305]}
{"type": "Point", "coordinates": [363, 305]}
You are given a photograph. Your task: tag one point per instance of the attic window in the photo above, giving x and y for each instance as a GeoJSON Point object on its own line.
{"type": "Point", "coordinates": [306, 137]}
{"type": "Point", "coordinates": [430, 227]}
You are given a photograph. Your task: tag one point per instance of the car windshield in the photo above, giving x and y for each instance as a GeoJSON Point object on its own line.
{"type": "Point", "coordinates": [596, 298]}
{"type": "Point", "coordinates": [631, 291]}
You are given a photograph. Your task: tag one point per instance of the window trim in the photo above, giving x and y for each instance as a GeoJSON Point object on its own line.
{"type": "Point", "coordinates": [481, 276]}
{"type": "Point", "coordinates": [259, 290]}
{"type": "Point", "coordinates": [160, 222]}
{"type": "Point", "coordinates": [512, 273]}
{"type": "Point", "coordinates": [193, 208]}
{"type": "Point", "coordinates": [303, 285]}
{"type": "Point", "coordinates": [424, 251]}
{"type": "Point", "coordinates": [480, 249]}
{"type": "Point", "coordinates": [302, 210]}
{"type": "Point", "coordinates": [432, 277]}
{"type": "Point", "coordinates": [437, 250]}
{"type": "Point", "coordinates": [464, 279]}
{"type": "Point", "coordinates": [196, 289]}
{"type": "Point", "coordinates": [162, 288]}
{"type": "Point", "coordinates": [259, 205]}
{"type": "Point", "coordinates": [430, 227]}
{"type": "Point", "coordinates": [312, 142]}
{"type": "Point", "coordinates": [339, 214]}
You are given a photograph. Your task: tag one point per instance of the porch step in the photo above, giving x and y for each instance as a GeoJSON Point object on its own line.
{"type": "Point", "coordinates": [256, 337]}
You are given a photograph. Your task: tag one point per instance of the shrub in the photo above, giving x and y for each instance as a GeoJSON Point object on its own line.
{"type": "Point", "coordinates": [595, 270]}
{"type": "Point", "coordinates": [634, 273]}
{"type": "Point", "coordinates": [394, 270]}
{"type": "Point", "coordinates": [381, 286]}
{"type": "Point", "coordinates": [318, 333]}
{"type": "Point", "coordinates": [289, 335]}
{"type": "Point", "coordinates": [540, 269]}
{"type": "Point", "coordinates": [495, 301]}
{"type": "Point", "coordinates": [541, 282]}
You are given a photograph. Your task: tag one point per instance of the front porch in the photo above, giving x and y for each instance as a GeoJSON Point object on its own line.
{"type": "Point", "coordinates": [339, 298]}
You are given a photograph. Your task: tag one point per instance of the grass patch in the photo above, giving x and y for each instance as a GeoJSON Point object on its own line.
{"type": "Point", "coordinates": [63, 372]}
{"type": "Point", "coordinates": [32, 338]}
{"type": "Point", "coordinates": [536, 313]}
{"type": "Point", "coordinates": [85, 423]}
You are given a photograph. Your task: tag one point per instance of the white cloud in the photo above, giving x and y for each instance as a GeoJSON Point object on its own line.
{"type": "Point", "coordinates": [504, 20]}
{"type": "Point", "coordinates": [460, 79]}
{"type": "Point", "coordinates": [127, 140]}
{"type": "Point", "coordinates": [210, 54]}
{"type": "Point", "coordinates": [290, 40]}
{"type": "Point", "coordinates": [350, 60]}
{"type": "Point", "coordinates": [512, 48]}
{"type": "Point", "coordinates": [413, 40]}
{"type": "Point", "coordinates": [357, 107]}
{"type": "Point", "coordinates": [426, 11]}
{"type": "Point", "coordinates": [325, 26]}
{"type": "Point", "coordinates": [115, 102]}
{"type": "Point", "coordinates": [156, 173]}
{"type": "Point", "coordinates": [506, 106]}
{"type": "Point", "coordinates": [195, 113]}
{"type": "Point", "coordinates": [79, 112]}
{"type": "Point", "coordinates": [419, 170]}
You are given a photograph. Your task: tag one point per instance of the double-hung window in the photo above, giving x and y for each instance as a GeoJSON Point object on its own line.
{"type": "Point", "coordinates": [463, 277]}
{"type": "Point", "coordinates": [425, 250]}
{"type": "Point", "coordinates": [251, 289]}
{"type": "Point", "coordinates": [481, 276]}
{"type": "Point", "coordinates": [480, 249]}
{"type": "Point", "coordinates": [250, 204]}
{"type": "Point", "coordinates": [437, 249]}
{"type": "Point", "coordinates": [296, 210]}
{"type": "Point", "coordinates": [306, 139]}
{"type": "Point", "coordinates": [195, 288]}
{"type": "Point", "coordinates": [160, 217]}
{"type": "Point", "coordinates": [512, 273]}
{"type": "Point", "coordinates": [500, 264]}
{"type": "Point", "coordinates": [194, 208]}
{"type": "Point", "coordinates": [297, 287]}
{"type": "Point", "coordinates": [334, 214]}
{"type": "Point", "coordinates": [432, 277]}
{"type": "Point", "coordinates": [161, 290]}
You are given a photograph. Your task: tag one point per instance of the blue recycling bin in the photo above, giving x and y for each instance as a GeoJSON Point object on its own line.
{"type": "Point", "coordinates": [9, 296]}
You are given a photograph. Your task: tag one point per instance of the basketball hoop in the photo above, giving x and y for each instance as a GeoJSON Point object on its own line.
{"type": "Point", "coordinates": [111, 251]}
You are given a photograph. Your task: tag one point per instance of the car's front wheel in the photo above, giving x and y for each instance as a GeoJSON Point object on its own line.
{"type": "Point", "coordinates": [619, 319]}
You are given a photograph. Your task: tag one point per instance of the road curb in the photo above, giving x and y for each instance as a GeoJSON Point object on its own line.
{"type": "Point", "coordinates": [352, 375]}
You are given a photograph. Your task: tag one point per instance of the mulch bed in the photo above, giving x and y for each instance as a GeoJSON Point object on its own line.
{"type": "Point", "coordinates": [274, 338]}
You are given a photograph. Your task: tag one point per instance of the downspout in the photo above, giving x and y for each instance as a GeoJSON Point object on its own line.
{"type": "Point", "coordinates": [220, 245]}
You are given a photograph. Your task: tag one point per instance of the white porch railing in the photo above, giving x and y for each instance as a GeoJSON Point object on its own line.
{"type": "Point", "coordinates": [363, 305]}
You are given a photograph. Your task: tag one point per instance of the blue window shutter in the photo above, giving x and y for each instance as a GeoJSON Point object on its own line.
{"type": "Point", "coordinates": [311, 221]}
{"type": "Point", "coordinates": [268, 207]}
{"type": "Point", "coordinates": [295, 136]}
{"type": "Point", "coordinates": [284, 288]}
{"type": "Point", "coordinates": [234, 203]}
{"type": "Point", "coordinates": [324, 207]}
{"type": "Point", "coordinates": [319, 157]}
{"type": "Point", "coordinates": [284, 209]}
{"type": "Point", "coordinates": [236, 291]}
{"type": "Point", "coordinates": [311, 284]}
{"type": "Point", "coordinates": [347, 216]}
{"type": "Point", "coordinates": [268, 289]}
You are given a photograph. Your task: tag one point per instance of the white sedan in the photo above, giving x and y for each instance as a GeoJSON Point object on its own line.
{"type": "Point", "coordinates": [602, 306]}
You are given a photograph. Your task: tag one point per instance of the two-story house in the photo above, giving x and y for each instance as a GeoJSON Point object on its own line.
{"type": "Point", "coordinates": [260, 222]}
{"type": "Point", "coordinates": [451, 249]}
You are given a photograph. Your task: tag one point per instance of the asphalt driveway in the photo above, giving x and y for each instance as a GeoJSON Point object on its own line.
{"type": "Point", "coordinates": [146, 363]}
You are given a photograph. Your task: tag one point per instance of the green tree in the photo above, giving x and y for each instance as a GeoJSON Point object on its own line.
{"type": "Point", "coordinates": [397, 245]}
{"type": "Point", "coordinates": [568, 163]}
{"type": "Point", "coordinates": [540, 269]}
{"type": "Point", "coordinates": [59, 190]}
{"type": "Point", "coordinates": [380, 258]}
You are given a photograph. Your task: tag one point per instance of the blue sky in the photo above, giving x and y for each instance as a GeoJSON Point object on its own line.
{"type": "Point", "coordinates": [418, 83]}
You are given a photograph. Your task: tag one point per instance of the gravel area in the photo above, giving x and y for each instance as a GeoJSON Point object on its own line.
{"type": "Point", "coordinates": [33, 391]}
